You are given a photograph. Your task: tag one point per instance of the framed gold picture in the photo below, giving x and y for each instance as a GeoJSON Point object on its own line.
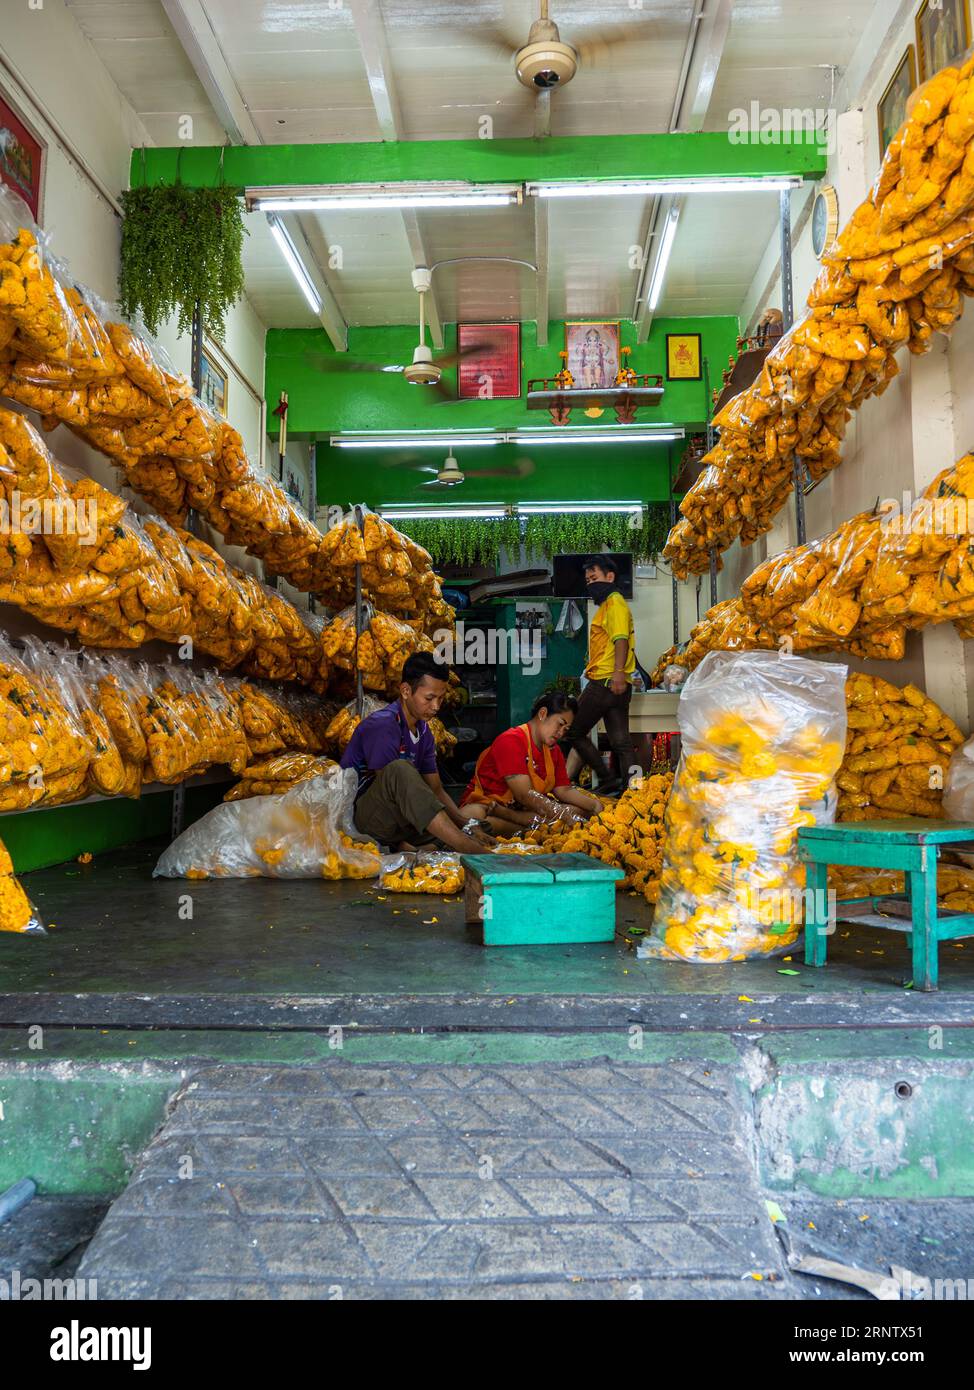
{"type": "Point", "coordinates": [892, 104]}
{"type": "Point", "coordinates": [215, 381]}
{"type": "Point", "coordinates": [683, 357]}
{"type": "Point", "coordinates": [943, 35]}
{"type": "Point", "coordinates": [593, 353]}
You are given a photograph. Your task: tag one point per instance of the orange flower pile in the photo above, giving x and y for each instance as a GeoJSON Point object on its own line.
{"type": "Point", "coordinates": [897, 273]}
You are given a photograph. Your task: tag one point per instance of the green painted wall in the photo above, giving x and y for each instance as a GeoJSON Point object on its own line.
{"type": "Point", "coordinates": [321, 404]}
{"type": "Point", "coordinates": [36, 839]}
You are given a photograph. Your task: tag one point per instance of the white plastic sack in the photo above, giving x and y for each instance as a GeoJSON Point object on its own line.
{"type": "Point", "coordinates": [295, 835]}
{"type": "Point", "coordinates": [763, 736]}
{"type": "Point", "coordinates": [959, 787]}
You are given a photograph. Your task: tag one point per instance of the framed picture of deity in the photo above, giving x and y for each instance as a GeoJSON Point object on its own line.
{"type": "Point", "coordinates": [592, 353]}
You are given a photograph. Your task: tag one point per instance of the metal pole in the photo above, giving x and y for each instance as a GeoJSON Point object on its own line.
{"type": "Point", "coordinates": [713, 576]}
{"type": "Point", "coordinates": [675, 581]}
{"type": "Point", "coordinates": [359, 626]}
{"type": "Point", "coordinates": [708, 405]}
{"type": "Point", "coordinates": [313, 502]}
{"type": "Point", "coordinates": [788, 316]}
{"type": "Point", "coordinates": [787, 288]}
{"type": "Point", "coordinates": [178, 811]}
{"type": "Point", "coordinates": [196, 372]}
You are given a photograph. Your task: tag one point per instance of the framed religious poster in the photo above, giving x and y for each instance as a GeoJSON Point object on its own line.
{"type": "Point", "coordinates": [592, 353]}
{"type": "Point", "coordinates": [494, 372]}
{"type": "Point", "coordinates": [892, 104]}
{"type": "Point", "coordinates": [943, 35]}
{"type": "Point", "coordinates": [21, 157]}
{"type": "Point", "coordinates": [683, 357]}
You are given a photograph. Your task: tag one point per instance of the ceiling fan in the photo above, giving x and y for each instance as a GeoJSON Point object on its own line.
{"type": "Point", "coordinates": [449, 473]}
{"type": "Point", "coordinates": [546, 62]}
{"type": "Point", "coordinates": [423, 370]}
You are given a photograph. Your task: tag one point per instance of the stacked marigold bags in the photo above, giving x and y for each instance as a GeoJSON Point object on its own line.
{"type": "Point", "coordinates": [859, 589]}
{"type": "Point", "coordinates": [897, 273]}
{"type": "Point", "coordinates": [80, 559]}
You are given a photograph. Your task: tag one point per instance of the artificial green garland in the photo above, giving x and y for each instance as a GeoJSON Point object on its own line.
{"type": "Point", "coordinates": [181, 246]}
{"type": "Point", "coordinates": [454, 541]}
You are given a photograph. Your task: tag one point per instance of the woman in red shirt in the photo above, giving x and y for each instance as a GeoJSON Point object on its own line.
{"type": "Point", "coordinates": [517, 777]}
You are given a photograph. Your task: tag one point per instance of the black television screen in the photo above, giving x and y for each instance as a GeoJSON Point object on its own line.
{"type": "Point", "coordinates": [569, 575]}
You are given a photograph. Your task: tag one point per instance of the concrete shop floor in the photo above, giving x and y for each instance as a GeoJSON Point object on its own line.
{"type": "Point", "coordinates": [343, 1071]}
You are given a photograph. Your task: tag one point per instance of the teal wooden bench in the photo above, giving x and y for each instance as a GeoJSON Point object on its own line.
{"type": "Point", "coordinates": [540, 899]}
{"type": "Point", "coordinates": [912, 846]}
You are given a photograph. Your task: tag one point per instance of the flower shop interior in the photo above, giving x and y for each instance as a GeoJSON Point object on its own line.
{"type": "Point", "coordinates": [343, 330]}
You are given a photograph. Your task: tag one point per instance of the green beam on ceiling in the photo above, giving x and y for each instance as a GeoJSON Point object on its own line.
{"type": "Point", "coordinates": [694, 155]}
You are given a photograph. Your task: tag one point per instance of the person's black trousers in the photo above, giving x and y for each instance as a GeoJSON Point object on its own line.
{"type": "Point", "coordinates": [598, 702]}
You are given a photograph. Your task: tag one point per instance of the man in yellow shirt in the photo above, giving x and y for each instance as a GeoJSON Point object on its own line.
{"type": "Point", "coordinates": [611, 662]}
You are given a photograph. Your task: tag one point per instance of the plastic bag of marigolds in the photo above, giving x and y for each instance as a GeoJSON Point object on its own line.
{"type": "Point", "coordinates": [763, 736]}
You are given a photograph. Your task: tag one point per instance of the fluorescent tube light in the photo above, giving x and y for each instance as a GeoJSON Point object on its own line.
{"type": "Point", "coordinates": [298, 269]}
{"type": "Point", "coordinates": [417, 441]}
{"type": "Point", "coordinates": [440, 513]}
{"type": "Point", "coordinates": [632, 188]}
{"type": "Point", "coordinates": [597, 437]}
{"type": "Point", "coordinates": [526, 436]}
{"type": "Point", "coordinates": [573, 508]}
{"type": "Point", "coordinates": [363, 197]}
{"type": "Point", "coordinates": [663, 259]}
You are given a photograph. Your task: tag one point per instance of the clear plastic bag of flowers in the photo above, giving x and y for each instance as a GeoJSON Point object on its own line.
{"type": "Point", "coordinates": [763, 735]}
{"type": "Point", "coordinates": [294, 835]}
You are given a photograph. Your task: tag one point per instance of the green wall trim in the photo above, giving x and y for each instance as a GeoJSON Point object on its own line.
{"type": "Point", "coordinates": [689, 155]}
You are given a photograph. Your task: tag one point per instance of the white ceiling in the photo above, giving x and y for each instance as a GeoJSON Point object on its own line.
{"type": "Point", "coordinates": [302, 71]}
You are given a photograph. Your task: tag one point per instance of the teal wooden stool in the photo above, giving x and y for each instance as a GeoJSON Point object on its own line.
{"type": "Point", "coordinates": [540, 899]}
{"type": "Point", "coordinates": [913, 846]}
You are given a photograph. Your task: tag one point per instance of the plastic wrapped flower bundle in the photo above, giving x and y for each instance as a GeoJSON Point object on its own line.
{"type": "Point", "coordinates": [80, 559]}
{"type": "Point", "coordinates": [380, 650]}
{"type": "Point", "coordinates": [861, 588]}
{"type": "Point", "coordinates": [338, 734]}
{"type": "Point", "coordinates": [897, 273]}
{"type": "Point", "coordinates": [276, 775]}
{"type": "Point", "coordinates": [763, 738]}
{"type": "Point", "coordinates": [306, 833]}
{"type": "Point", "coordinates": [17, 913]}
{"type": "Point", "coordinates": [70, 356]}
{"type": "Point", "coordinates": [425, 871]}
{"type": "Point", "coordinates": [397, 574]}
{"type": "Point", "coordinates": [898, 747]}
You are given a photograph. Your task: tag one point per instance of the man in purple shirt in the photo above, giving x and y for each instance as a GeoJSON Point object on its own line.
{"type": "Point", "coordinates": [401, 800]}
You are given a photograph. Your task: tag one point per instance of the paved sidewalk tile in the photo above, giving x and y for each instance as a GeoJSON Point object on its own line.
{"type": "Point", "coordinates": [599, 1180]}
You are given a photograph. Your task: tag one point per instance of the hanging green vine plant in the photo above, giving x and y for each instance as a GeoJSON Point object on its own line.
{"type": "Point", "coordinates": [465, 542]}
{"type": "Point", "coordinates": [181, 246]}
{"type": "Point", "coordinates": [469, 542]}
{"type": "Point", "coordinates": [643, 533]}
